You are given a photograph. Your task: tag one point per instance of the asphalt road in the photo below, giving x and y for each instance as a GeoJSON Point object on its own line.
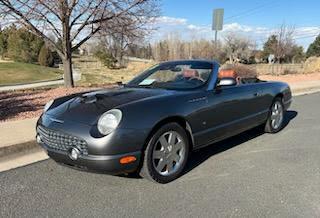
{"type": "Point", "coordinates": [250, 175]}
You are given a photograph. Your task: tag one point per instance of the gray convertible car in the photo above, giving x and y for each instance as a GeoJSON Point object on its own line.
{"type": "Point", "coordinates": [151, 124]}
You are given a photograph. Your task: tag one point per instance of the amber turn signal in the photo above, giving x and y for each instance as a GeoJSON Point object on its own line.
{"type": "Point", "coordinates": [128, 159]}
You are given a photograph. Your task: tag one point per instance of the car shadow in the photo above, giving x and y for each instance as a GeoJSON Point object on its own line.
{"type": "Point", "coordinates": [201, 155]}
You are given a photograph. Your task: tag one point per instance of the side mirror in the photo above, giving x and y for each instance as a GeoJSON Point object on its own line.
{"type": "Point", "coordinates": [227, 81]}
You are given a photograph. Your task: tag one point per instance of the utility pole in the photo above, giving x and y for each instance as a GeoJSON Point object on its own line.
{"type": "Point", "coordinates": [215, 37]}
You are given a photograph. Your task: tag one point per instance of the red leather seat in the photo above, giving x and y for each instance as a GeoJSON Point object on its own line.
{"type": "Point", "coordinates": [227, 73]}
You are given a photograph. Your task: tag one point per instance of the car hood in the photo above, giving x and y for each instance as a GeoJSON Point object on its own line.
{"type": "Point", "coordinates": [88, 107]}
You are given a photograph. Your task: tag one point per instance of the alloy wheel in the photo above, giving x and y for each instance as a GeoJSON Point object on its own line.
{"type": "Point", "coordinates": [169, 153]}
{"type": "Point", "coordinates": [276, 115]}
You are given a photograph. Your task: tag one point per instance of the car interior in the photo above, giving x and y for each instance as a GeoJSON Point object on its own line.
{"type": "Point", "coordinates": [192, 74]}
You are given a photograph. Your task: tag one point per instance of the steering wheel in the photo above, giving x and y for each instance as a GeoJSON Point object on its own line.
{"type": "Point", "coordinates": [196, 79]}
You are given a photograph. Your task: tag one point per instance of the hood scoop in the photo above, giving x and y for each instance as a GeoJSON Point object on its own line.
{"type": "Point", "coordinates": [90, 98]}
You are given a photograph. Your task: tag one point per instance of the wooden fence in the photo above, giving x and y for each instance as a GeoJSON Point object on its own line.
{"type": "Point", "coordinates": [277, 69]}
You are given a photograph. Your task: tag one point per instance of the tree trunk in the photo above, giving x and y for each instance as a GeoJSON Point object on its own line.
{"type": "Point", "coordinates": [67, 48]}
{"type": "Point", "coordinates": [67, 66]}
{"type": "Point", "coordinates": [231, 59]}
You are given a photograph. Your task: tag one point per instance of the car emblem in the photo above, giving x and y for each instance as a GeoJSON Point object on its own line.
{"type": "Point", "coordinates": [56, 120]}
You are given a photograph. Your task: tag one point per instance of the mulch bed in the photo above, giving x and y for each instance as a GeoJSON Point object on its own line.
{"type": "Point", "coordinates": [24, 104]}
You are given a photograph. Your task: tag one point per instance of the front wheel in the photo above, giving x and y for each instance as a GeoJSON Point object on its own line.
{"type": "Point", "coordinates": [166, 154]}
{"type": "Point", "coordinates": [276, 117]}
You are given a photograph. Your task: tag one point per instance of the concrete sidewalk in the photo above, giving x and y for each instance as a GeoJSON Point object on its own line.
{"type": "Point", "coordinates": [14, 135]}
{"type": "Point", "coordinates": [17, 132]}
{"type": "Point", "coordinates": [32, 85]}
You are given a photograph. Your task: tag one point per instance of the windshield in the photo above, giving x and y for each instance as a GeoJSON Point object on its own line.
{"type": "Point", "coordinates": [176, 75]}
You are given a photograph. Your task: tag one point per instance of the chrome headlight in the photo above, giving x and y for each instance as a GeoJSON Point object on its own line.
{"type": "Point", "coordinates": [109, 121]}
{"type": "Point", "coordinates": [47, 106]}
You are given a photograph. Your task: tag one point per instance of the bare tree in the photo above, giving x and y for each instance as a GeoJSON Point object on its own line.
{"type": "Point", "coordinates": [285, 43]}
{"type": "Point", "coordinates": [173, 47]}
{"type": "Point", "coordinates": [72, 22]}
{"type": "Point", "coordinates": [117, 36]}
{"type": "Point", "coordinates": [237, 48]}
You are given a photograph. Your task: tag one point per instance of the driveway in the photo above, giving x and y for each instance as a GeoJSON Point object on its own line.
{"type": "Point", "coordinates": [250, 175]}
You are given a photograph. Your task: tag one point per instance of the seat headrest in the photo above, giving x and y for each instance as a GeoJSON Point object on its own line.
{"type": "Point", "coordinates": [227, 73]}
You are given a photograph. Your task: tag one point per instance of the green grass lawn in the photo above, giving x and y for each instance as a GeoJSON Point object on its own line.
{"type": "Point", "coordinates": [16, 73]}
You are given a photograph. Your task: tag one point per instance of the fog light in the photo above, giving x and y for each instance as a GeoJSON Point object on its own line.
{"type": "Point", "coordinates": [74, 154]}
{"type": "Point", "coordinates": [38, 138]}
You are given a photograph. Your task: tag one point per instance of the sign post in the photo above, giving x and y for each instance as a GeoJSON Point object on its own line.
{"type": "Point", "coordinates": [217, 23]}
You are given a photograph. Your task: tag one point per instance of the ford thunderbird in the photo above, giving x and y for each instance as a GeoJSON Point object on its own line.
{"type": "Point", "coordinates": [151, 124]}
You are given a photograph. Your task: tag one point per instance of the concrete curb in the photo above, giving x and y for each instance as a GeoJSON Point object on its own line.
{"type": "Point", "coordinates": [17, 148]}
{"type": "Point", "coordinates": [306, 91]}
{"type": "Point", "coordinates": [22, 159]}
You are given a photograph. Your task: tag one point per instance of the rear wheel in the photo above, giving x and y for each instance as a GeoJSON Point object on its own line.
{"type": "Point", "coordinates": [166, 154]}
{"type": "Point", "coordinates": [276, 116]}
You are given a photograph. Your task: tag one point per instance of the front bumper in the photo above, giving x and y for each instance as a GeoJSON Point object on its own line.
{"type": "Point", "coordinates": [101, 163]}
{"type": "Point", "coordinates": [97, 153]}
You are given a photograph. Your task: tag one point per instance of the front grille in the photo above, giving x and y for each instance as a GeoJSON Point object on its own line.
{"type": "Point", "coordinates": [60, 141]}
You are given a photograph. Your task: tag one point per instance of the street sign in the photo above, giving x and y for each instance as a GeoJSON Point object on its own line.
{"type": "Point", "coordinates": [217, 23]}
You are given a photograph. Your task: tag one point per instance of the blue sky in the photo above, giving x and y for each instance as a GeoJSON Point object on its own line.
{"type": "Point", "coordinates": [252, 18]}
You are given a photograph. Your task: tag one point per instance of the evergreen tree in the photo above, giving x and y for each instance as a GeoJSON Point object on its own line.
{"type": "Point", "coordinates": [23, 46]}
{"type": "Point", "coordinates": [45, 57]}
{"type": "Point", "coordinates": [3, 42]}
{"type": "Point", "coordinates": [270, 47]}
{"type": "Point", "coordinates": [314, 48]}
{"type": "Point", "coordinates": [297, 54]}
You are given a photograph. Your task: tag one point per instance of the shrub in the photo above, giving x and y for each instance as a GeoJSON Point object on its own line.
{"type": "Point", "coordinates": [3, 42]}
{"type": "Point", "coordinates": [56, 58]}
{"type": "Point", "coordinates": [312, 65]}
{"type": "Point", "coordinates": [45, 57]}
{"type": "Point", "coordinates": [106, 59]}
{"type": "Point", "coordinates": [288, 71]}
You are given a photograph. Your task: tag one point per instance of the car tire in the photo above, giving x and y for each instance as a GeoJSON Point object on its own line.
{"type": "Point", "coordinates": [166, 154]}
{"type": "Point", "coordinates": [276, 116]}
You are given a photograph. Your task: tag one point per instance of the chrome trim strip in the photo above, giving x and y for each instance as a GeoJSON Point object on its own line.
{"type": "Point", "coordinates": [56, 120]}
